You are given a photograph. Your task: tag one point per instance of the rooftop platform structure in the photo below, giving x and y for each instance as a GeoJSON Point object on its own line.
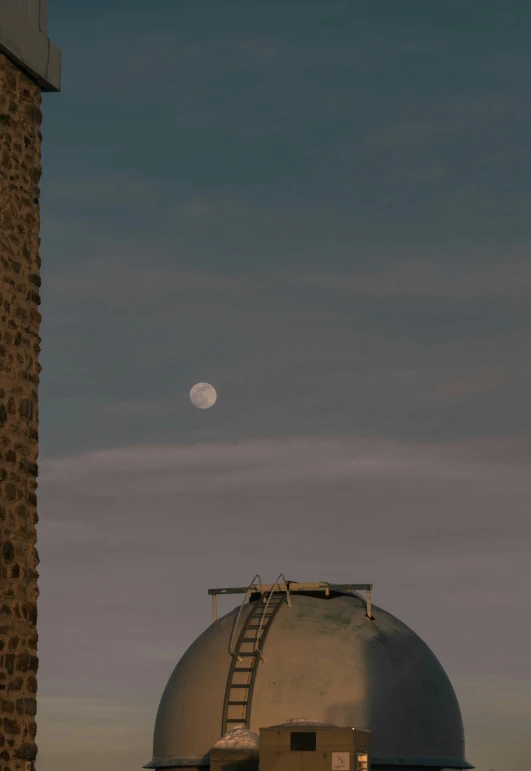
{"type": "Point", "coordinates": [257, 589]}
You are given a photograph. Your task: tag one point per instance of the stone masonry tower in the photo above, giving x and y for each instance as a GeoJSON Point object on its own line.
{"type": "Point", "coordinates": [29, 65]}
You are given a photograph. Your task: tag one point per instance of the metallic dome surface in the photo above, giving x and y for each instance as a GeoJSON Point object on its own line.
{"type": "Point", "coordinates": [326, 659]}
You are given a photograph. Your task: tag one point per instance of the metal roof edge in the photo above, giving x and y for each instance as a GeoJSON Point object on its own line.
{"type": "Point", "coordinates": [29, 48]}
{"type": "Point", "coordinates": [433, 762]}
{"type": "Point", "coordinates": [174, 762]}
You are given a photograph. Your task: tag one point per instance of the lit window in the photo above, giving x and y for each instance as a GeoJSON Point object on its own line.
{"type": "Point", "coordinates": [363, 761]}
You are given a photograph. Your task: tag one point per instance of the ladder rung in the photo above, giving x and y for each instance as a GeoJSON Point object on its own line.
{"type": "Point", "coordinates": [243, 653]}
{"type": "Point", "coordinates": [255, 626]}
{"type": "Point", "coordinates": [243, 669]}
{"type": "Point", "coordinates": [239, 685]}
{"type": "Point", "coordinates": [237, 703]}
{"type": "Point", "coordinates": [234, 720]}
{"type": "Point", "coordinates": [249, 639]}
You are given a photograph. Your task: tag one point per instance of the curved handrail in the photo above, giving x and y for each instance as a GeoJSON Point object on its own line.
{"type": "Point", "coordinates": [235, 625]}
{"type": "Point", "coordinates": [288, 600]}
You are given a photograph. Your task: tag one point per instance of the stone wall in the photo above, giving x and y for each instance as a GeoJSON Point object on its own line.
{"type": "Point", "coordinates": [20, 170]}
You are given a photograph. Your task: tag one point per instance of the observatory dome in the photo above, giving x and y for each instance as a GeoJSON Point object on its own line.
{"type": "Point", "coordinates": [323, 659]}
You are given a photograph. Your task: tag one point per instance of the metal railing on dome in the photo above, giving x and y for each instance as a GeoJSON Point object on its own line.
{"type": "Point", "coordinates": [291, 587]}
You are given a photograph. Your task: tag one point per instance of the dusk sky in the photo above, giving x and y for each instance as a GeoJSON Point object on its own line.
{"type": "Point", "coordinates": [323, 208]}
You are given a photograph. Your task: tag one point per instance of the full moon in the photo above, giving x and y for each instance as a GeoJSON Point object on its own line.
{"type": "Point", "coordinates": [203, 395]}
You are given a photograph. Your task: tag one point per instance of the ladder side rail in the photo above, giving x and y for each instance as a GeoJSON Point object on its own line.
{"type": "Point", "coordinates": [233, 664]}
{"type": "Point", "coordinates": [258, 658]}
{"type": "Point", "coordinates": [237, 619]}
{"type": "Point", "coordinates": [235, 657]}
{"type": "Point", "coordinates": [256, 648]}
{"type": "Point", "coordinates": [263, 616]}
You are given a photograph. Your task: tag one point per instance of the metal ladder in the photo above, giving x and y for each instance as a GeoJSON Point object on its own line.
{"type": "Point", "coordinates": [248, 652]}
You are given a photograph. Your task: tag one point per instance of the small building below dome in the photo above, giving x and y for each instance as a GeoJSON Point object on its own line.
{"type": "Point", "coordinates": [314, 746]}
{"type": "Point", "coordinates": [300, 743]}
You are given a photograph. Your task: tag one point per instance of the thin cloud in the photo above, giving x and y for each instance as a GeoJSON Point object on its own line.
{"type": "Point", "coordinates": [124, 267]}
{"type": "Point", "coordinates": [116, 188]}
{"type": "Point", "coordinates": [216, 466]}
{"type": "Point", "coordinates": [104, 275]}
{"type": "Point", "coordinates": [402, 134]}
{"type": "Point", "coordinates": [70, 724]}
{"type": "Point", "coordinates": [427, 279]}
{"type": "Point", "coordinates": [135, 408]}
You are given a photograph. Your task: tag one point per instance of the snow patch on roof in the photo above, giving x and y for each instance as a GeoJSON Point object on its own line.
{"type": "Point", "coordinates": [238, 738]}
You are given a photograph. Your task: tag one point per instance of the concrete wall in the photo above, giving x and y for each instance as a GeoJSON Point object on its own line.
{"type": "Point", "coordinates": [20, 170]}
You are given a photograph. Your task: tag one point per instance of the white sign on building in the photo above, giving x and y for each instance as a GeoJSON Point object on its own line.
{"type": "Point", "coordinates": [341, 761]}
